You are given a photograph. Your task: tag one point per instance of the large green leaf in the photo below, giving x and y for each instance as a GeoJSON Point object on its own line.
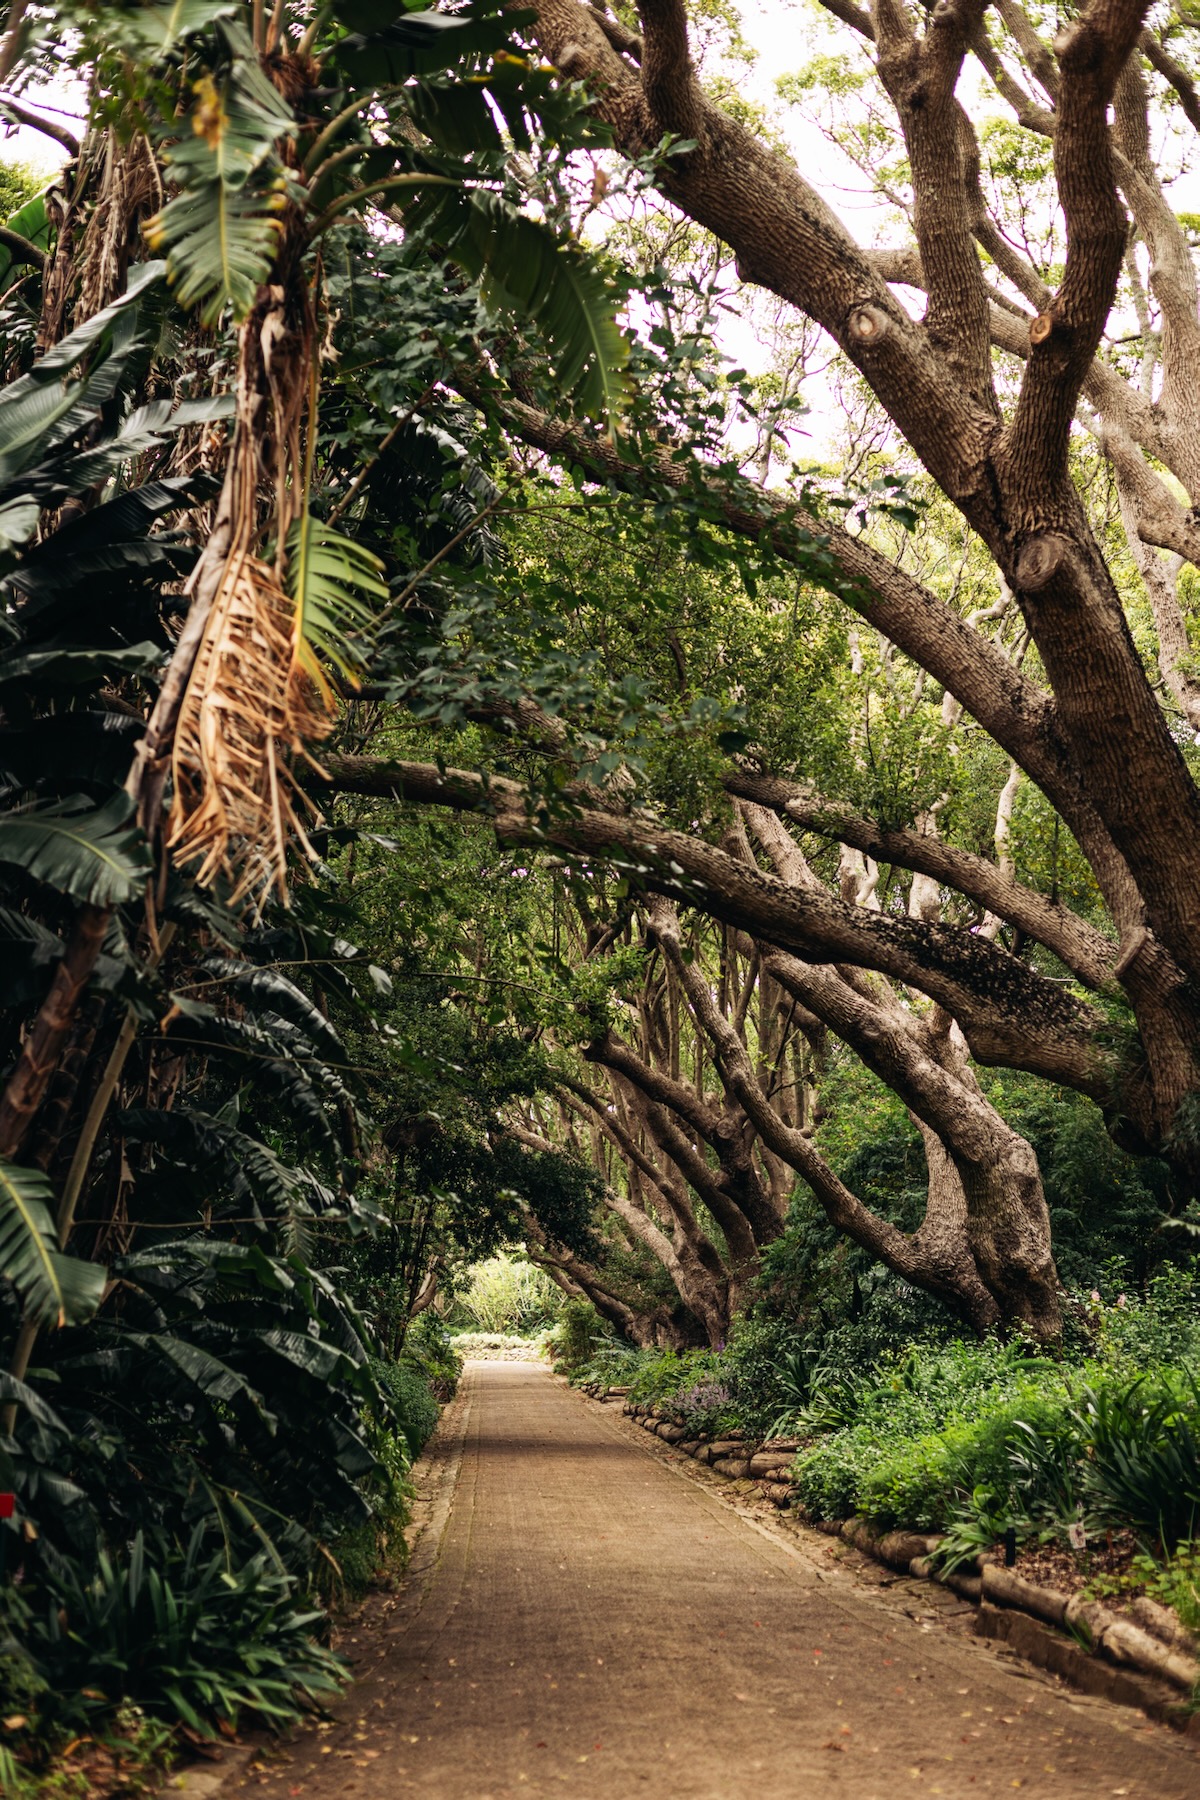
{"type": "Point", "coordinates": [42, 410]}
{"type": "Point", "coordinates": [221, 230]}
{"type": "Point", "coordinates": [329, 576]}
{"type": "Point", "coordinates": [144, 429]}
{"type": "Point", "coordinates": [75, 666]}
{"type": "Point", "coordinates": [418, 43]}
{"type": "Point", "coordinates": [220, 242]}
{"type": "Point", "coordinates": [234, 131]}
{"type": "Point", "coordinates": [32, 223]}
{"type": "Point", "coordinates": [455, 115]}
{"type": "Point", "coordinates": [214, 1378]}
{"type": "Point", "coordinates": [528, 274]}
{"type": "Point", "coordinates": [54, 1289]}
{"type": "Point", "coordinates": [269, 989]}
{"type": "Point", "coordinates": [67, 352]}
{"type": "Point", "coordinates": [149, 32]}
{"type": "Point", "coordinates": [94, 854]}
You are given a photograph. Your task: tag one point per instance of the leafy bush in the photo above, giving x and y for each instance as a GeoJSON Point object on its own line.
{"type": "Point", "coordinates": [253, 1386]}
{"type": "Point", "coordinates": [707, 1407]}
{"type": "Point", "coordinates": [428, 1342]}
{"type": "Point", "coordinates": [576, 1334]}
{"type": "Point", "coordinates": [411, 1399]}
{"type": "Point", "coordinates": [1142, 1458]}
{"type": "Point", "coordinates": [480, 1343]}
{"type": "Point", "coordinates": [933, 1427]}
{"type": "Point", "coordinates": [183, 1635]}
{"type": "Point", "coordinates": [1157, 1328]}
{"type": "Point", "coordinates": [763, 1370]}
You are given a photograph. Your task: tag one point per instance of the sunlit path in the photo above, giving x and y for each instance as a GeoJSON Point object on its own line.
{"type": "Point", "coordinates": [596, 1625]}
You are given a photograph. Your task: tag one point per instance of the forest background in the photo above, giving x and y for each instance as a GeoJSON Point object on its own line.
{"type": "Point", "coordinates": [481, 769]}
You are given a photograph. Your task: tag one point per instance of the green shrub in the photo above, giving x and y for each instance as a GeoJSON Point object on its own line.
{"type": "Point", "coordinates": [1142, 1458]}
{"type": "Point", "coordinates": [411, 1399]}
{"type": "Point", "coordinates": [658, 1376]}
{"type": "Point", "coordinates": [429, 1344]}
{"type": "Point", "coordinates": [830, 1476]}
{"type": "Point", "coordinates": [768, 1369]}
{"type": "Point", "coordinates": [575, 1336]}
{"type": "Point", "coordinates": [933, 1427]}
{"type": "Point", "coordinates": [183, 1635]}
{"type": "Point", "coordinates": [1176, 1583]}
{"type": "Point", "coordinates": [1158, 1328]}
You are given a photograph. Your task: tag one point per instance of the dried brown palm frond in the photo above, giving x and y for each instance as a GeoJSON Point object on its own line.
{"type": "Point", "coordinates": [244, 717]}
{"type": "Point", "coordinates": [249, 709]}
{"type": "Point", "coordinates": [128, 189]}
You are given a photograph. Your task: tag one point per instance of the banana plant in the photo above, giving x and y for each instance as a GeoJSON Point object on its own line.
{"type": "Point", "coordinates": [421, 105]}
{"type": "Point", "coordinates": [53, 1288]}
{"type": "Point", "coordinates": [282, 141]}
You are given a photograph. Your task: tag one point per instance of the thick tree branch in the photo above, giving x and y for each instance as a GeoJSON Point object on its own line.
{"type": "Point", "coordinates": [628, 43]}
{"type": "Point", "coordinates": [1091, 55]}
{"type": "Point", "coordinates": [920, 75]}
{"type": "Point", "coordinates": [1009, 1014]}
{"type": "Point", "coordinates": [733, 1192]}
{"type": "Point", "coordinates": [1084, 950]}
{"type": "Point", "coordinates": [1018, 715]}
{"type": "Point", "coordinates": [20, 248]}
{"type": "Point", "coordinates": [22, 115]}
{"type": "Point", "coordinates": [669, 83]}
{"type": "Point", "coordinates": [907, 1255]}
{"type": "Point", "coordinates": [1013, 487]}
{"type": "Point", "coordinates": [1161, 59]}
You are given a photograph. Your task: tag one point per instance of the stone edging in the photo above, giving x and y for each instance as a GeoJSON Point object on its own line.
{"type": "Point", "coordinates": [1143, 1657]}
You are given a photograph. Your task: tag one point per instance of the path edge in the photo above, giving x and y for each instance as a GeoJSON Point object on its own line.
{"type": "Point", "coordinates": [1005, 1617]}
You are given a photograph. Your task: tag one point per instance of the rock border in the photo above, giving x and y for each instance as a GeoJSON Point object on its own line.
{"type": "Point", "coordinates": [1143, 1657]}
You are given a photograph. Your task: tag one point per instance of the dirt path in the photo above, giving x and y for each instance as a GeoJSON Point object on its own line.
{"type": "Point", "coordinates": [590, 1623]}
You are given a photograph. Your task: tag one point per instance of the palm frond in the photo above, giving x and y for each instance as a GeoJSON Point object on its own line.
{"type": "Point", "coordinates": [258, 696]}
{"type": "Point", "coordinates": [93, 854]}
{"type": "Point", "coordinates": [54, 1289]}
{"type": "Point", "coordinates": [328, 576]}
{"type": "Point", "coordinates": [530, 276]}
{"type": "Point", "coordinates": [235, 802]}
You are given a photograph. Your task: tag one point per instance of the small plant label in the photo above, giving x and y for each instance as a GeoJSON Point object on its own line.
{"type": "Point", "coordinates": [1076, 1535]}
